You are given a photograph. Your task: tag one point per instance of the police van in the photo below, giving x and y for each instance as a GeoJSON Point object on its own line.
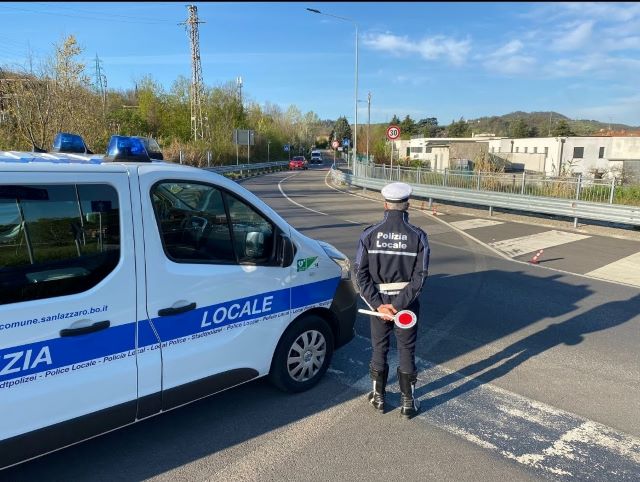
{"type": "Point", "coordinates": [129, 287]}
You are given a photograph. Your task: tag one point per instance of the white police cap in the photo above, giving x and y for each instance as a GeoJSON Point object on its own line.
{"type": "Point", "coordinates": [396, 192]}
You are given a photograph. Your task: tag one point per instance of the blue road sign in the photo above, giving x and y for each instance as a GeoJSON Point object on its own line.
{"type": "Point", "coordinates": [345, 142]}
{"type": "Point", "coordinates": [286, 148]}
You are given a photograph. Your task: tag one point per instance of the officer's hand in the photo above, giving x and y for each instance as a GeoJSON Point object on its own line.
{"type": "Point", "coordinates": [387, 310]}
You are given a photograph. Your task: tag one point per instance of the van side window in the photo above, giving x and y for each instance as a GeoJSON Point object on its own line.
{"type": "Point", "coordinates": [193, 223]}
{"type": "Point", "coordinates": [253, 235]}
{"type": "Point", "coordinates": [56, 240]}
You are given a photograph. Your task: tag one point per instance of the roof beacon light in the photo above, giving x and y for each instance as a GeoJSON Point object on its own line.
{"type": "Point", "coordinates": [69, 143]}
{"type": "Point", "coordinates": [127, 149]}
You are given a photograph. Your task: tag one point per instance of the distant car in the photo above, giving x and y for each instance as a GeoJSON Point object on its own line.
{"type": "Point", "coordinates": [152, 147]}
{"type": "Point", "coordinates": [316, 157]}
{"type": "Point", "coordinates": [298, 162]}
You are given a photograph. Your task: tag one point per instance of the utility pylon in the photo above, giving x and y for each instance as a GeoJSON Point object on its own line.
{"type": "Point", "coordinates": [239, 88]}
{"type": "Point", "coordinates": [196, 94]}
{"type": "Point", "coordinates": [101, 82]}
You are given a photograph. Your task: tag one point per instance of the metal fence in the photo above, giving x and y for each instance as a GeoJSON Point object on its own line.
{"type": "Point", "coordinates": [522, 195]}
{"type": "Point", "coordinates": [578, 188]}
{"type": "Point", "coordinates": [249, 169]}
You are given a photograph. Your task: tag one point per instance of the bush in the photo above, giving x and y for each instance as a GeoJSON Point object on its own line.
{"type": "Point", "coordinates": [627, 195]}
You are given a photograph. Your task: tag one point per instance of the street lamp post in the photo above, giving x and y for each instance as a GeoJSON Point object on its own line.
{"type": "Point", "coordinates": [268, 145]}
{"type": "Point", "coordinates": [368, 122]}
{"type": "Point", "coordinates": [355, 99]}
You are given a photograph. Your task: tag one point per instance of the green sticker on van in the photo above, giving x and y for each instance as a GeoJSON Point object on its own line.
{"type": "Point", "coordinates": [306, 263]}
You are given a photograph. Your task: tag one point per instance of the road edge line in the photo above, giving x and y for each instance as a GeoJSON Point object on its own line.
{"type": "Point", "coordinates": [490, 248]}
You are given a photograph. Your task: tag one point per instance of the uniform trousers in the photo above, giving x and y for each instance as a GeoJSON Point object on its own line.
{"type": "Point", "coordinates": [405, 339]}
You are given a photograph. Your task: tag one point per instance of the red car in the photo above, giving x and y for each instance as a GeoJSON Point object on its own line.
{"type": "Point", "coordinates": [298, 162]}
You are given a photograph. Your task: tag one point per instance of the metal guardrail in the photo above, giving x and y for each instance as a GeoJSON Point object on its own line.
{"type": "Point", "coordinates": [582, 189]}
{"type": "Point", "coordinates": [572, 208]}
{"type": "Point", "coordinates": [243, 169]}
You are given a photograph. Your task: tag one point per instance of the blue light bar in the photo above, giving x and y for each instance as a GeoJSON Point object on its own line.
{"type": "Point", "coordinates": [69, 143]}
{"type": "Point", "coordinates": [122, 148]}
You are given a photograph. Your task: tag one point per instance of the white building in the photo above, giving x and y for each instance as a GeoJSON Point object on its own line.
{"type": "Point", "coordinates": [441, 152]}
{"type": "Point", "coordinates": [588, 156]}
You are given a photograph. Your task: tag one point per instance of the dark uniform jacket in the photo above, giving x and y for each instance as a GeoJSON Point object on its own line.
{"type": "Point", "coordinates": [392, 251]}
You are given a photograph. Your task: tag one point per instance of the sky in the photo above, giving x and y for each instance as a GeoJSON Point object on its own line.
{"type": "Point", "coordinates": [444, 60]}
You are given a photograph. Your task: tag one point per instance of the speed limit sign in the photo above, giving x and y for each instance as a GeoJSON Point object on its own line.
{"type": "Point", "coordinates": [335, 144]}
{"type": "Point", "coordinates": [393, 132]}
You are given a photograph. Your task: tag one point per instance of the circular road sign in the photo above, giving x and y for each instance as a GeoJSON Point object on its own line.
{"type": "Point", "coordinates": [335, 144]}
{"type": "Point", "coordinates": [393, 132]}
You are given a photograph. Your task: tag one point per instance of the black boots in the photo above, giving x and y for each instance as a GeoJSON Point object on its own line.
{"type": "Point", "coordinates": [376, 396]}
{"type": "Point", "coordinates": [407, 381]}
{"type": "Point", "coordinates": [410, 406]}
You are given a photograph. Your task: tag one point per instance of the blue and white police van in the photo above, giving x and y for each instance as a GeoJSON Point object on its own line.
{"type": "Point", "coordinates": [129, 287]}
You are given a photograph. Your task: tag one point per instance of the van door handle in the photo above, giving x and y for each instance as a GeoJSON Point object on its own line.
{"type": "Point", "coordinates": [176, 311]}
{"type": "Point", "coordinates": [83, 330]}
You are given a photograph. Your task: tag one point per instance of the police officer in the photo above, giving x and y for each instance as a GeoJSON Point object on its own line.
{"type": "Point", "coordinates": [391, 266]}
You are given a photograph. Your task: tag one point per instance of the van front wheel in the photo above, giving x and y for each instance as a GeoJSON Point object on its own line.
{"type": "Point", "coordinates": [303, 355]}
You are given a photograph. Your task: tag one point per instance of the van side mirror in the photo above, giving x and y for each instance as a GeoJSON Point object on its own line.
{"type": "Point", "coordinates": [286, 251]}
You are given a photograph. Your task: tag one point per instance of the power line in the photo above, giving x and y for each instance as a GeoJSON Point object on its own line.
{"type": "Point", "coordinates": [106, 14]}
{"type": "Point", "coordinates": [84, 17]}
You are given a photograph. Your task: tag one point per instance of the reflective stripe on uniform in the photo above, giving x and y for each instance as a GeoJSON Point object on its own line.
{"type": "Point", "coordinates": [399, 253]}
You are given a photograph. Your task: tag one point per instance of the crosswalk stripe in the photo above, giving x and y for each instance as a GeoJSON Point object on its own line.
{"type": "Point", "coordinates": [533, 242]}
{"type": "Point", "coordinates": [625, 270]}
{"type": "Point", "coordinates": [433, 229]}
{"type": "Point", "coordinates": [474, 223]}
{"type": "Point", "coordinates": [544, 438]}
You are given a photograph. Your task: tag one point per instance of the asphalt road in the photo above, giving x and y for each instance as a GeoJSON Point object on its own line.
{"type": "Point", "coordinates": [525, 374]}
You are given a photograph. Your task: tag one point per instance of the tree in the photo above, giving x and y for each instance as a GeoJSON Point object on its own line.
{"type": "Point", "coordinates": [427, 127]}
{"type": "Point", "coordinates": [394, 120]}
{"type": "Point", "coordinates": [55, 97]}
{"type": "Point", "coordinates": [519, 129]}
{"type": "Point", "coordinates": [562, 129]}
{"type": "Point", "coordinates": [459, 129]}
{"type": "Point", "coordinates": [407, 127]}
{"type": "Point", "coordinates": [310, 128]}
{"type": "Point", "coordinates": [342, 129]}
{"type": "Point", "coordinates": [150, 105]}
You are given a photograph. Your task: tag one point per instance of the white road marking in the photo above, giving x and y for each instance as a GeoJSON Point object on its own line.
{"type": "Point", "coordinates": [533, 242]}
{"type": "Point", "coordinates": [434, 229]}
{"type": "Point", "coordinates": [495, 251]}
{"type": "Point", "coordinates": [532, 433]}
{"type": "Point", "coordinates": [305, 207]}
{"type": "Point", "coordinates": [529, 432]}
{"type": "Point", "coordinates": [474, 223]}
{"type": "Point", "coordinates": [625, 270]}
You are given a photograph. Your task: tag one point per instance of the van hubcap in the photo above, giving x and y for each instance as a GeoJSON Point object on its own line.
{"type": "Point", "coordinates": [306, 355]}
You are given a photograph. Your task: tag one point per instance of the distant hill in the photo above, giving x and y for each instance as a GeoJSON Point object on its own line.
{"type": "Point", "coordinates": [543, 122]}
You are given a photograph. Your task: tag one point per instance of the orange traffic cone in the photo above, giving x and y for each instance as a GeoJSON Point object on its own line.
{"type": "Point", "coordinates": [535, 259]}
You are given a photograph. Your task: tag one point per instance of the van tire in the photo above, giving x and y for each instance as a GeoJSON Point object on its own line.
{"type": "Point", "coordinates": [309, 337]}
